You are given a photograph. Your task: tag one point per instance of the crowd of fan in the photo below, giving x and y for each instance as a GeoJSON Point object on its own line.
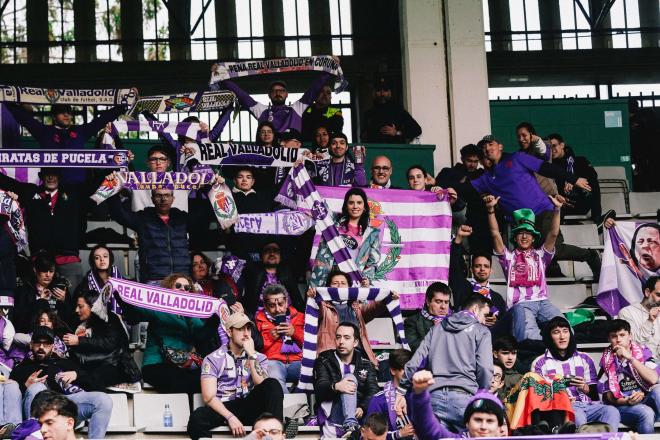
{"type": "Point", "coordinates": [58, 339]}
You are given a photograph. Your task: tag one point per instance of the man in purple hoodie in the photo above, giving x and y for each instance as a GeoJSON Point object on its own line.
{"type": "Point", "coordinates": [281, 115]}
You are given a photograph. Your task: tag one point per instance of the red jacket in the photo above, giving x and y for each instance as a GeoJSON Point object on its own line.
{"type": "Point", "coordinates": [272, 346]}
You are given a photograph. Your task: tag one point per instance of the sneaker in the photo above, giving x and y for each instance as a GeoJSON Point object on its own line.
{"type": "Point", "coordinates": [7, 429]}
{"type": "Point", "coordinates": [350, 427]}
{"type": "Point", "coordinates": [130, 388]}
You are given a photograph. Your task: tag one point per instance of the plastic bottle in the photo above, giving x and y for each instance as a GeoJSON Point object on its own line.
{"type": "Point", "coordinates": [167, 416]}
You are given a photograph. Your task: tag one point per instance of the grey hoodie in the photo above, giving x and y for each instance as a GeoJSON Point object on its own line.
{"type": "Point", "coordinates": [458, 352]}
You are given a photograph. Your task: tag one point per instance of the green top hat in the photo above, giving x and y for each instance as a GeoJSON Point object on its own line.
{"type": "Point", "coordinates": [523, 220]}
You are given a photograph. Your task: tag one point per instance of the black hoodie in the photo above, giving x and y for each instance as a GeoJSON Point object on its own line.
{"type": "Point", "coordinates": [559, 321]}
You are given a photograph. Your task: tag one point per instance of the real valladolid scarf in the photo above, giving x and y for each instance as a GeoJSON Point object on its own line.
{"type": "Point", "coordinates": [306, 382]}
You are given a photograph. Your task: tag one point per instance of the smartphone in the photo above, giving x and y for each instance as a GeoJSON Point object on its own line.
{"type": "Point", "coordinates": [280, 319]}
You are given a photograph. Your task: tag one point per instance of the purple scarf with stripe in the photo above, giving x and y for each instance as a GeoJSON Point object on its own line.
{"type": "Point", "coordinates": [306, 381]}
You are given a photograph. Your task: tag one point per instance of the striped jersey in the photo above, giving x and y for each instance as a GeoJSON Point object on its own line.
{"type": "Point", "coordinates": [540, 258]}
{"type": "Point", "coordinates": [580, 364]}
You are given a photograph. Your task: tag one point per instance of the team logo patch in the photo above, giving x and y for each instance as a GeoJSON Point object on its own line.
{"type": "Point", "coordinates": [179, 103]}
{"type": "Point", "coordinates": [52, 95]}
{"type": "Point", "coordinates": [223, 206]}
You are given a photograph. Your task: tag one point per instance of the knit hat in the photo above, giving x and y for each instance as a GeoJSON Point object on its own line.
{"type": "Point", "coordinates": [484, 402]}
{"type": "Point", "coordinates": [523, 220]}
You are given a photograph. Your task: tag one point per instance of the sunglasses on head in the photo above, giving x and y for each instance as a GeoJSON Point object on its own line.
{"type": "Point", "coordinates": [186, 287]}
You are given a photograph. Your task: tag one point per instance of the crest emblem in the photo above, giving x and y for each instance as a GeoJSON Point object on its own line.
{"type": "Point", "coordinates": [223, 206]}
{"type": "Point", "coordinates": [52, 95]}
{"type": "Point", "coordinates": [394, 252]}
{"type": "Point", "coordinates": [319, 209]}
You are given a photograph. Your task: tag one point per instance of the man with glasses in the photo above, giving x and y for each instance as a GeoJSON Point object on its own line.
{"type": "Point", "coordinates": [281, 115]}
{"type": "Point", "coordinates": [43, 371]}
{"type": "Point", "coordinates": [267, 426]}
{"type": "Point", "coordinates": [381, 173]}
{"type": "Point", "coordinates": [270, 270]}
{"type": "Point", "coordinates": [282, 329]}
{"type": "Point", "coordinates": [158, 160]}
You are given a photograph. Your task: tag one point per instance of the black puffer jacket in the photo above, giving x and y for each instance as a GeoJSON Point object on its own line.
{"type": "Point", "coordinates": [328, 373]}
{"type": "Point", "coordinates": [163, 246]}
{"type": "Point", "coordinates": [104, 347]}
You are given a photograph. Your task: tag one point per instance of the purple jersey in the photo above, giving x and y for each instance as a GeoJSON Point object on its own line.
{"type": "Point", "coordinates": [580, 364]}
{"type": "Point", "coordinates": [232, 373]}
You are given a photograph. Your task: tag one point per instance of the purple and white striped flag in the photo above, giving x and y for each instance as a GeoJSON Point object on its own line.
{"type": "Point", "coordinates": [415, 239]}
{"type": "Point", "coordinates": [306, 381]}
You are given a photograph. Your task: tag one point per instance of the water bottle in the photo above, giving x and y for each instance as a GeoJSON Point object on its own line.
{"type": "Point", "coordinates": [167, 416]}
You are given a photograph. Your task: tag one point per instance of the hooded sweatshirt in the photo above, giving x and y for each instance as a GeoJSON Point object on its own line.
{"type": "Point", "coordinates": [458, 352]}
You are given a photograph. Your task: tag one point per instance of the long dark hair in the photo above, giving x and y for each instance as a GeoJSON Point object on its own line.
{"type": "Point", "coordinates": [272, 127]}
{"type": "Point", "coordinates": [363, 223]}
{"type": "Point", "coordinates": [90, 259]}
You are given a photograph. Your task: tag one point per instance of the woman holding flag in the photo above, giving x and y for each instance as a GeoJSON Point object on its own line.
{"type": "Point", "coordinates": [361, 240]}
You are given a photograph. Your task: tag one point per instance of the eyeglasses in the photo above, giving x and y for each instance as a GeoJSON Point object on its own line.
{"type": "Point", "coordinates": [158, 159]}
{"type": "Point", "coordinates": [163, 196]}
{"type": "Point", "coordinates": [381, 168]}
{"type": "Point", "coordinates": [180, 286]}
{"type": "Point", "coordinates": [40, 343]}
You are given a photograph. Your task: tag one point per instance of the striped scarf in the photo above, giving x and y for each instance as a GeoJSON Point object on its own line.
{"type": "Point", "coordinates": [15, 225]}
{"type": "Point", "coordinates": [298, 183]}
{"type": "Point", "coordinates": [306, 381]}
{"type": "Point", "coordinates": [485, 291]}
{"type": "Point", "coordinates": [94, 286]}
{"type": "Point", "coordinates": [435, 319]}
{"type": "Point", "coordinates": [609, 363]}
{"type": "Point", "coordinates": [189, 130]}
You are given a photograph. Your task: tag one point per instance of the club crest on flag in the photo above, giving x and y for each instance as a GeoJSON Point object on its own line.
{"type": "Point", "coordinates": [223, 206]}
{"type": "Point", "coordinates": [295, 222]}
{"type": "Point", "coordinates": [393, 254]}
{"type": "Point", "coordinates": [52, 95]}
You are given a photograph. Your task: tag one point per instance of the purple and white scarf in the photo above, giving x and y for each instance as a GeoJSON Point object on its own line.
{"type": "Point", "coordinates": [15, 224]}
{"type": "Point", "coordinates": [230, 153]}
{"type": "Point", "coordinates": [298, 183]}
{"type": "Point", "coordinates": [435, 319]}
{"type": "Point", "coordinates": [204, 101]}
{"type": "Point", "coordinates": [192, 305]}
{"type": "Point", "coordinates": [306, 382]}
{"type": "Point", "coordinates": [238, 69]}
{"type": "Point", "coordinates": [150, 180]}
{"type": "Point", "coordinates": [229, 265]}
{"type": "Point", "coordinates": [190, 130]}
{"type": "Point", "coordinates": [485, 291]}
{"type": "Point", "coordinates": [274, 223]}
{"type": "Point", "coordinates": [93, 285]}
{"type": "Point", "coordinates": [24, 158]}
{"type": "Point", "coordinates": [41, 96]}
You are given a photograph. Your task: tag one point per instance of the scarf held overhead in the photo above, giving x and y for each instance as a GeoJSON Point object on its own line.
{"type": "Point", "coordinates": [15, 224]}
{"type": "Point", "coordinates": [306, 382]}
{"type": "Point", "coordinates": [150, 180]}
{"type": "Point", "coordinates": [322, 63]}
{"type": "Point", "coordinates": [41, 96]}
{"type": "Point", "coordinates": [64, 158]}
{"type": "Point", "coordinates": [217, 153]}
{"type": "Point", "coordinates": [206, 101]}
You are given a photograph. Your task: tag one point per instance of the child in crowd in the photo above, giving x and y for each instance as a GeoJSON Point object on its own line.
{"type": "Point", "coordinates": [383, 402]}
{"type": "Point", "coordinates": [497, 382]}
{"type": "Point", "coordinates": [629, 379]}
{"type": "Point", "coordinates": [505, 350]}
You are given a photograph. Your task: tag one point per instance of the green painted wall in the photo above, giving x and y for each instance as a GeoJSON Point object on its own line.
{"type": "Point", "coordinates": [580, 121]}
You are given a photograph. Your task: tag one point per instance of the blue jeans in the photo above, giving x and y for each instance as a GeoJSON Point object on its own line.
{"type": "Point", "coordinates": [10, 403]}
{"type": "Point", "coordinates": [526, 317]}
{"type": "Point", "coordinates": [344, 405]}
{"type": "Point", "coordinates": [93, 406]}
{"type": "Point", "coordinates": [596, 412]}
{"type": "Point", "coordinates": [284, 372]}
{"type": "Point", "coordinates": [644, 414]}
{"type": "Point", "coordinates": [449, 406]}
